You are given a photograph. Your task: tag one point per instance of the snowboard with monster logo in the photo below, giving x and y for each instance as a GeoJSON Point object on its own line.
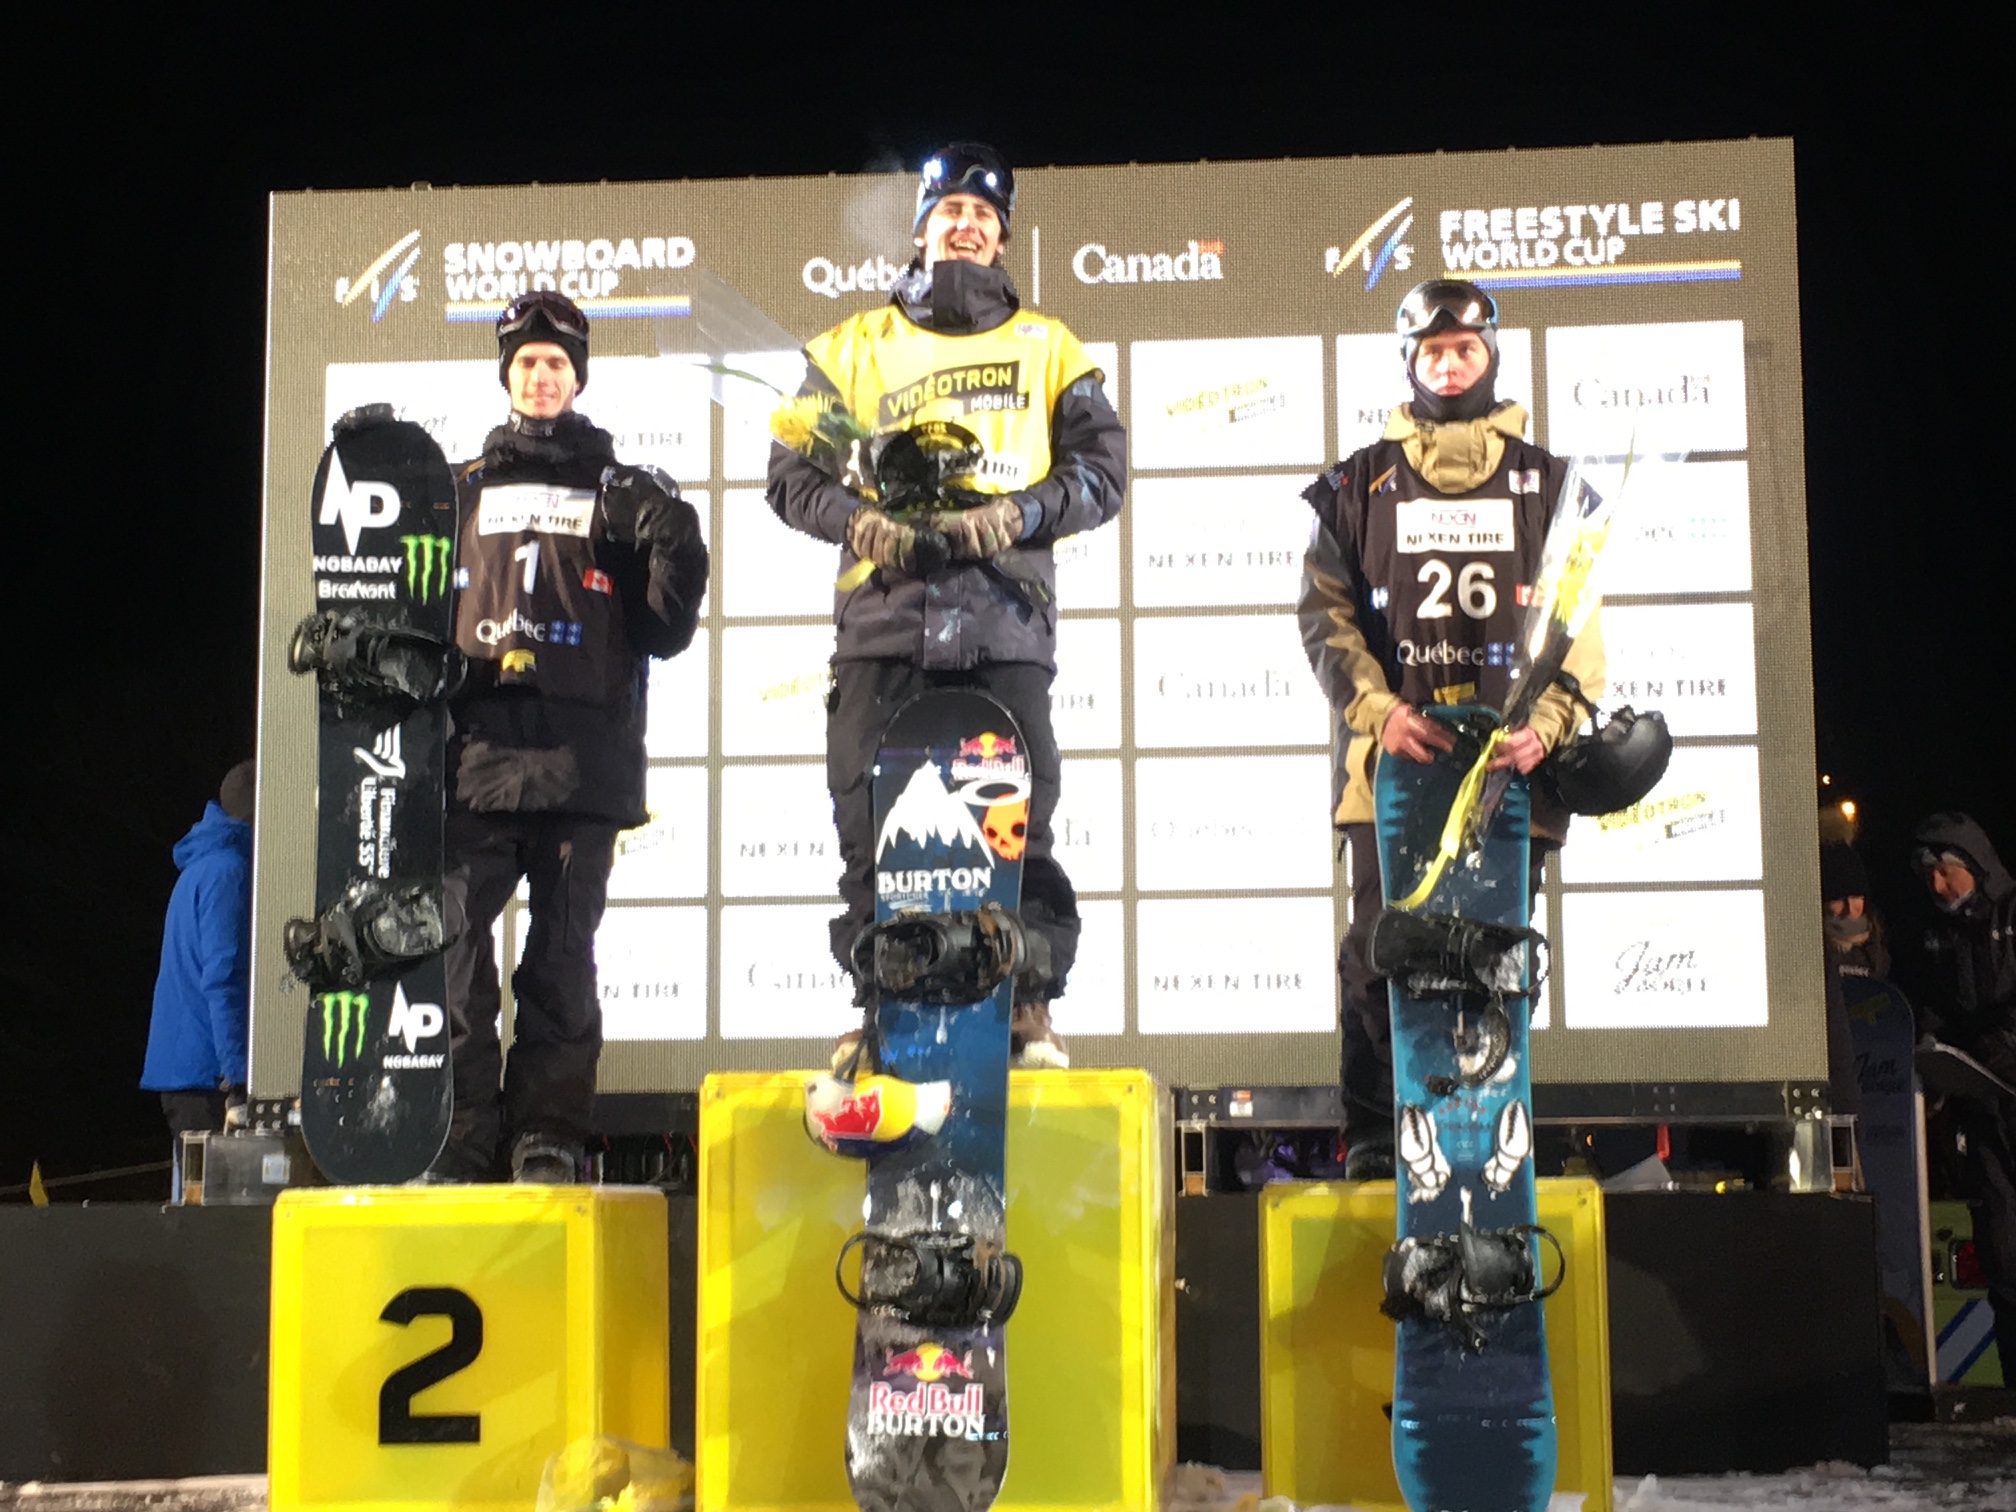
{"type": "Point", "coordinates": [376, 1087]}
{"type": "Point", "coordinates": [1473, 1410]}
{"type": "Point", "coordinates": [927, 1104]}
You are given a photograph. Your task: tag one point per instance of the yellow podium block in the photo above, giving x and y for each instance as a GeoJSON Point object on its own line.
{"type": "Point", "coordinates": [432, 1346]}
{"type": "Point", "coordinates": [1091, 1385]}
{"type": "Point", "coordinates": [1326, 1351]}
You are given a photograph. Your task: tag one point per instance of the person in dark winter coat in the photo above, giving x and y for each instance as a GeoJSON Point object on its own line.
{"type": "Point", "coordinates": [1384, 639]}
{"type": "Point", "coordinates": [1970, 994]}
{"type": "Point", "coordinates": [955, 343]}
{"type": "Point", "coordinates": [202, 998]}
{"type": "Point", "coordinates": [572, 571]}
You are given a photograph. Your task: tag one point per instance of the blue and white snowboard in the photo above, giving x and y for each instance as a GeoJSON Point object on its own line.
{"type": "Point", "coordinates": [928, 1411]}
{"type": "Point", "coordinates": [1473, 1408]}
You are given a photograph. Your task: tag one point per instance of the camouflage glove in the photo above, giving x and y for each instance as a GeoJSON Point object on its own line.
{"type": "Point", "coordinates": [874, 537]}
{"type": "Point", "coordinates": [984, 530]}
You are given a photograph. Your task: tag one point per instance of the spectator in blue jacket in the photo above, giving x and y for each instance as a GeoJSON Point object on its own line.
{"type": "Point", "coordinates": [202, 998]}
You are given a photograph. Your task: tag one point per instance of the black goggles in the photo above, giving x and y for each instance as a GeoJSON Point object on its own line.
{"type": "Point", "coordinates": [556, 310]}
{"type": "Point", "coordinates": [1445, 302]}
{"type": "Point", "coordinates": [961, 169]}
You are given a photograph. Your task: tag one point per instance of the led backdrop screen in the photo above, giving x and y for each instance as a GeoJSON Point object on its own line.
{"type": "Point", "coordinates": [1242, 316]}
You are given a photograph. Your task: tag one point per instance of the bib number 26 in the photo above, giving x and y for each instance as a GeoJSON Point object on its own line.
{"type": "Point", "coordinates": [1476, 590]}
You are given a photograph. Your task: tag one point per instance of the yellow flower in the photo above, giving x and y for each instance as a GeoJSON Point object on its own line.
{"type": "Point", "coordinates": [793, 422]}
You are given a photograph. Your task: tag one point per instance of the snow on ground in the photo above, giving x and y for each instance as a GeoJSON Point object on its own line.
{"type": "Point", "coordinates": [1933, 1467]}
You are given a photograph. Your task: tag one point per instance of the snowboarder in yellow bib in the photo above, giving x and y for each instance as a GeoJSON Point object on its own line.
{"type": "Point", "coordinates": [960, 592]}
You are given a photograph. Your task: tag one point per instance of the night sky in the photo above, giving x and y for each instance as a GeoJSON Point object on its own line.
{"type": "Point", "coordinates": [143, 160]}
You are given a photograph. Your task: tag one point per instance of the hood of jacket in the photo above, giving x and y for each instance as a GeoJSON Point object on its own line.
{"type": "Point", "coordinates": [215, 831]}
{"type": "Point", "coordinates": [956, 298]}
{"type": "Point", "coordinates": [569, 449]}
{"type": "Point", "coordinates": [1960, 834]}
{"type": "Point", "coordinates": [1456, 456]}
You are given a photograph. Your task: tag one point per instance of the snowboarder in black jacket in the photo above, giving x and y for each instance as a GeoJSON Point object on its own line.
{"type": "Point", "coordinates": [572, 570]}
{"type": "Point", "coordinates": [1970, 992]}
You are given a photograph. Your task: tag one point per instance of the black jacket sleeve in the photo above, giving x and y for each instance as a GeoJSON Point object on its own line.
{"type": "Point", "coordinates": [805, 495]}
{"type": "Point", "coordinates": [663, 618]}
{"type": "Point", "coordinates": [1087, 481]}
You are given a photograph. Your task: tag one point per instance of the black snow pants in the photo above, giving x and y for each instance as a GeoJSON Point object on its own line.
{"type": "Point", "coordinates": [1366, 1007]}
{"type": "Point", "coordinates": [1991, 1158]}
{"type": "Point", "coordinates": [865, 694]}
{"type": "Point", "coordinates": [548, 1085]}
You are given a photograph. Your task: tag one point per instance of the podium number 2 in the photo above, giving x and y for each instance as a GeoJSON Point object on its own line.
{"type": "Point", "coordinates": [397, 1422]}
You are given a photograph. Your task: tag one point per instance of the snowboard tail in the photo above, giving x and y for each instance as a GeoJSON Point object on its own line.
{"type": "Point", "coordinates": [928, 1410]}
{"type": "Point", "coordinates": [376, 1083]}
{"type": "Point", "coordinates": [1473, 1413]}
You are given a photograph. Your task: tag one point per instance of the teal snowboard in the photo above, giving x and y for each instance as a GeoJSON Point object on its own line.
{"type": "Point", "coordinates": [1473, 1409]}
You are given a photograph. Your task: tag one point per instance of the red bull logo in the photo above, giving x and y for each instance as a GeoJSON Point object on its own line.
{"type": "Point", "coordinates": [988, 747]}
{"type": "Point", "coordinates": [928, 1363]}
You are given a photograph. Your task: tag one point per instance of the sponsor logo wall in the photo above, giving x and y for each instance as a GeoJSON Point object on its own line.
{"type": "Point", "coordinates": [1194, 818]}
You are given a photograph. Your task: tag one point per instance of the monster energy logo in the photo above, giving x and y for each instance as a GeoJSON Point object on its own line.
{"type": "Point", "coordinates": [337, 1008]}
{"type": "Point", "coordinates": [426, 566]}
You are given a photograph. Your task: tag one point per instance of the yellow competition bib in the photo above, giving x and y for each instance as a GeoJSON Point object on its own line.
{"type": "Point", "coordinates": [1002, 384]}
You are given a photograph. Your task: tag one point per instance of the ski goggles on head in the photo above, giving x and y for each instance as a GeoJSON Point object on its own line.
{"type": "Point", "coordinates": [556, 310]}
{"type": "Point", "coordinates": [966, 168]}
{"type": "Point", "coordinates": [1444, 302]}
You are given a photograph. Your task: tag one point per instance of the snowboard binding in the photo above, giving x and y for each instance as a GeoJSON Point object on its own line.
{"type": "Point", "coordinates": [932, 1280]}
{"type": "Point", "coordinates": [359, 662]}
{"type": "Point", "coordinates": [945, 959]}
{"type": "Point", "coordinates": [1452, 1278]}
{"type": "Point", "coordinates": [1439, 954]}
{"type": "Point", "coordinates": [374, 929]}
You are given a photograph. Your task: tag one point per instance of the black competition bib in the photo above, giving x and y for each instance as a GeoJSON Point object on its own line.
{"type": "Point", "coordinates": [1452, 575]}
{"type": "Point", "coordinates": [534, 600]}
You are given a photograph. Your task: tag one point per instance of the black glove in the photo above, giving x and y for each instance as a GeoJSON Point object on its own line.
{"type": "Point", "coordinates": [641, 507]}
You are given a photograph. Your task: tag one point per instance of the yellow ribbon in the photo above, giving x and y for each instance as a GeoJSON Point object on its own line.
{"type": "Point", "coordinates": [1456, 836]}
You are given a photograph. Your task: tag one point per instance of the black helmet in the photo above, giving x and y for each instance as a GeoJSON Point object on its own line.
{"type": "Point", "coordinates": [1440, 304]}
{"type": "Point", "coordinates": [1448, 304]}
{"type": "Point", "coordinates": [1611, 767]}
{"type": "Point", "coordinates": [965, 168]}
{"type": "Point", "coordinates": [543, 315]}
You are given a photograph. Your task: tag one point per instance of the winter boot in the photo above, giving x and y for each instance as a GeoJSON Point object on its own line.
{"type": "Point", "coordinates": [1033, 1045]}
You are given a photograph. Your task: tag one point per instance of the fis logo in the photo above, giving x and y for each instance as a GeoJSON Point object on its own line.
{"type": "Point", "coordinates": [386, 757]}
{"type": "Point", "coordinates": [344, 1017]}
{"type": "Point", "coordinates": [399, 284]}
{"type": "Point", "coordinates": [1393, 252]}
{"type": "Point", "coordinates": [426, 566]}
{"type": "Point", "coordinates": [357, 507]}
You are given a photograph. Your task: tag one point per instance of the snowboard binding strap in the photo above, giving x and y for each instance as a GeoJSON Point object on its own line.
{"type": "Point", "coordinates": [932, 1280]}
{"type": "Point", "coordinates": [374, 929]}
{"type": "Point", "coordinates": [360, 662]}
{"type": "Point", "coordinates": [1450, 1278]}
{"type": "Point", "coordinates": [942, 959]}
{"type": "Point", "coordinates": [1440, 954]}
